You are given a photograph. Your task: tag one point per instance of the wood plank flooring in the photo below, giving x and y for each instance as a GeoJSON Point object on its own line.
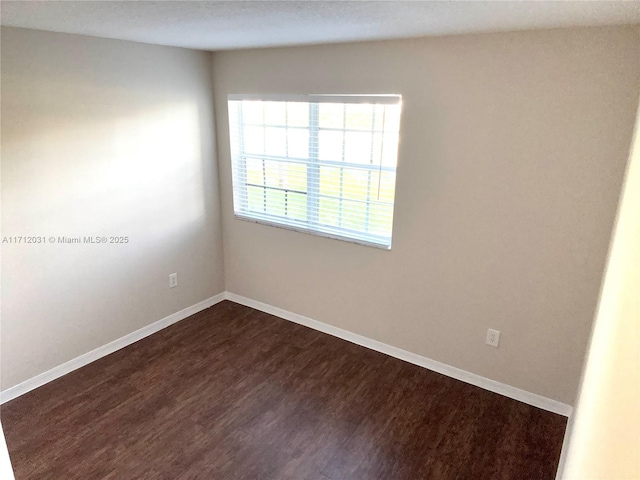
{"type": "Point", "coordinates": [234, 393]}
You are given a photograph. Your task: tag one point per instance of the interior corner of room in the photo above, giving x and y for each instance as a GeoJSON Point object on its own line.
{"type": "Point", "coordinates": [512, 156]}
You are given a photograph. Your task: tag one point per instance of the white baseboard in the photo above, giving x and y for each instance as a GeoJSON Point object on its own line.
{"type": "Point", "coordinates": [453, 372]}
{"type": "Point", "coordinates": [107, 349]}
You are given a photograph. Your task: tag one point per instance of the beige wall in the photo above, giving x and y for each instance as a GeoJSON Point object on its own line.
{"type": "Point", "coordinates": [511, 159]}
{"type": "Point", "coordinates": [102, 137]}
{"type": "Point", "coordinates": [605, 435]}
{"type": "Point", "coordinates": [513, 149]}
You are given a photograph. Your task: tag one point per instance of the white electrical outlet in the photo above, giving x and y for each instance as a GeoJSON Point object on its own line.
{"type": "Point", "coordinates": [173, 280]}
{"type": "Point", "coordinates": [493, 337]}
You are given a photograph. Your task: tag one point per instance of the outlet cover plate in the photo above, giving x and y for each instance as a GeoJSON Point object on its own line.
{"type": "Point", "coordinates": [493, 337]}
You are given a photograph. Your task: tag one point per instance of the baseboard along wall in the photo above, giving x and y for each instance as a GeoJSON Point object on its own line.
{"type": "Point", "coordinates": [103, 351]}
{"type": "Point", "coordinates": [453, 372]}
{"type": "Point", "coordinates": [442, 368]}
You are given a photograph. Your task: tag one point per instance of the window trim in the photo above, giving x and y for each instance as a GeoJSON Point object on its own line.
{"type": "Point", "coordinates": [381, 99]}
{"type": "Point", "coordinates": [312, 224]}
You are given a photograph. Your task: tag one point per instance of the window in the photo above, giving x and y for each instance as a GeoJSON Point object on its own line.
{"type": "Point", "coordinates": [322, 164]}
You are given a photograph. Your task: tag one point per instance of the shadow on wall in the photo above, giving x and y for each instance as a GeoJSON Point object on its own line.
{"type": "Point", "coordinates": [76, 174]}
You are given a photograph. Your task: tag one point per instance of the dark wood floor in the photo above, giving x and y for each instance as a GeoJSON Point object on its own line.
{"type": "Point", "coordinates": [233, 393]}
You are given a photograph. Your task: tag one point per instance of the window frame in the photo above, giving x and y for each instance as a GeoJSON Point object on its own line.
{"type": "Point", "coordinates": [312, 224]}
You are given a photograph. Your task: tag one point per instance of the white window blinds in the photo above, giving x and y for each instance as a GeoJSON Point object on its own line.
{"type": "Point", "coordinates": [323, 164]}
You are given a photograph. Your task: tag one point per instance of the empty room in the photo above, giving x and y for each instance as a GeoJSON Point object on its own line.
{"type": "Point", "coordinates": [320, 240]}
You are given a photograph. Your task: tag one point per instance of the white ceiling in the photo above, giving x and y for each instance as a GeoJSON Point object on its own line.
{"type": "Point", "coordinates": [215, 25]}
